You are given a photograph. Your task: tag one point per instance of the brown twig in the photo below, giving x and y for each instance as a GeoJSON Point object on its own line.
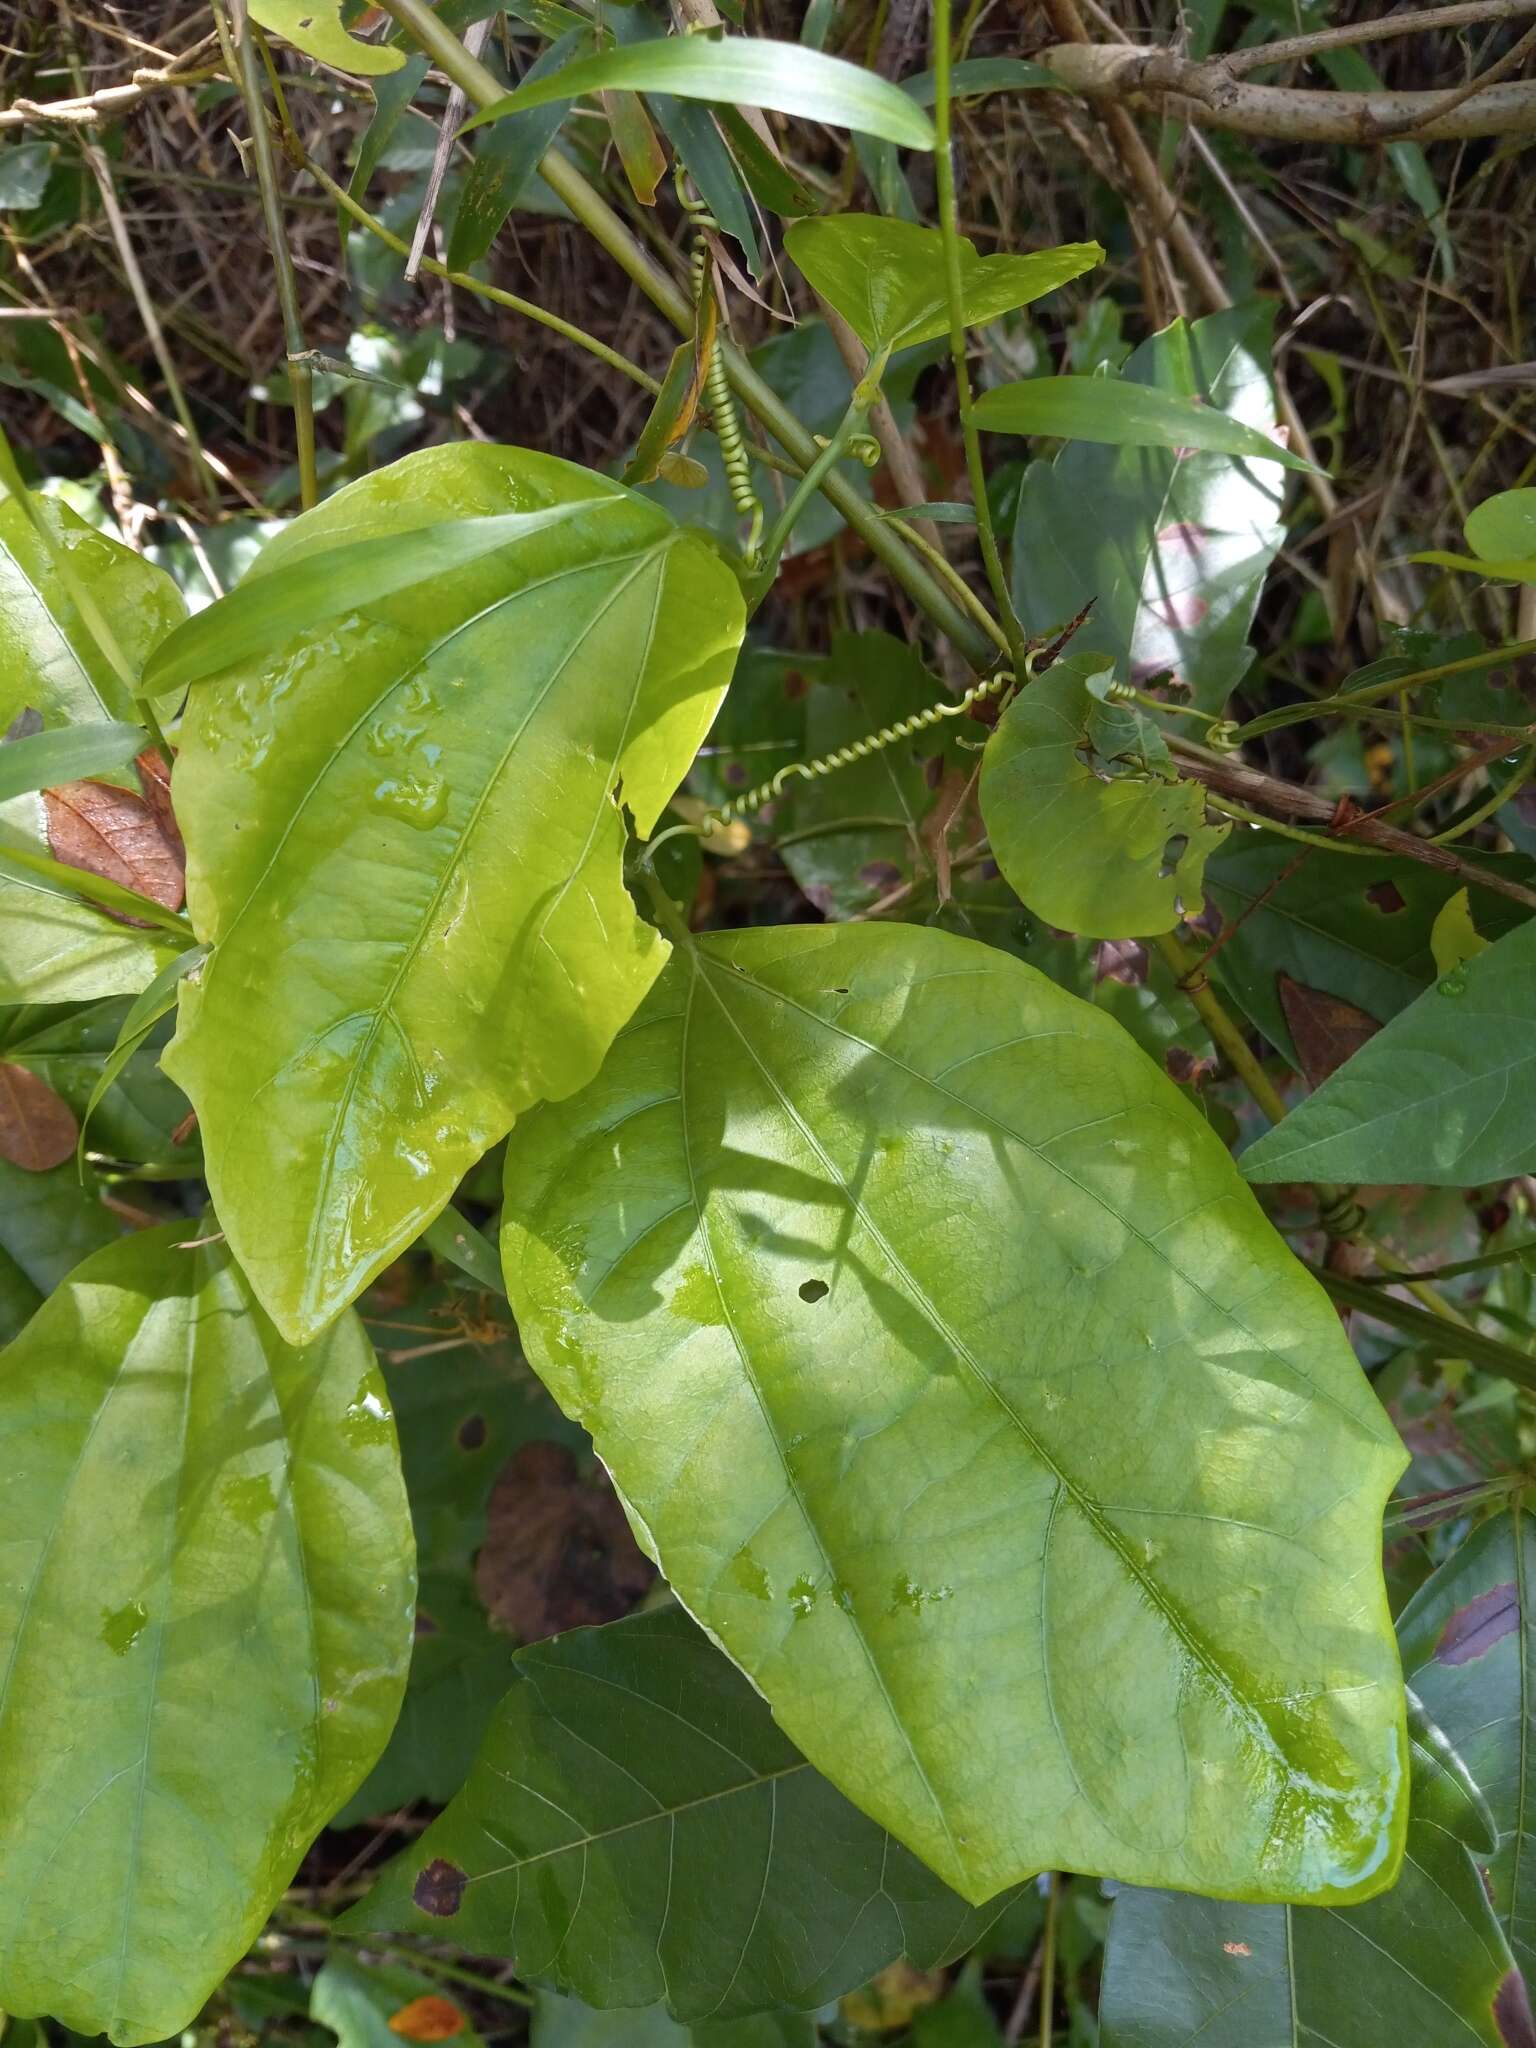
{"type": "Point", "coordinates": [89, 110]}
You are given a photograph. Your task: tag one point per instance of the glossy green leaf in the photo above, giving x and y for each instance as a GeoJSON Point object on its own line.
{"type": "Point", "coordinates": [45, 759]}
{"type": "Point", "coordinates": [636, 1829]}
{"type": "Point", "coordinates": [1121, 415]}
{"type": "Point", "coordinates": [567, 2023]}
{"type": "Point", "coordinates": [205, 1531]}
{"type": "Point", "coordinates": [1172, 550]}
{"type": "Point", "coordinates": [886, 277]}
{"type": "Point", "coordinates": [1469, 1645]}
{"type": "Point", "coordinates": [1086, 829]}
{"type": "Point", "coordinates": [424, 790]}
{"type": "Point", "coordinates": [48, 658]}
{"type": "Point", "coordinates": [904, 1299]}
{"type": "Point", "coordinates": [743, 71]}
{"type": "Point", "coordinates": [56, 948]}
{"type": "Point", "coordinates": [314, 26]}
{"type": "Point", "coordinates": [1424, 1963]}
{"type": "Point", "coordinates": [1444, 1095]}
{"type": "Point", "coordinates": [1359, 931]}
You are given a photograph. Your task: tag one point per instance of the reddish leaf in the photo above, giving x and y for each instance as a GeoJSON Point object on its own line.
{"type": "Point", "coordinates": [1324, 1029]}
{"type": "Point", "coordinates": [558, 1552]}
{"type": "Point", "coordinates": [427, 2019]}
{"type": "Point", "coordinates": [37, 1128]}
{"type": "Point", "coordinates": [120, 836]}
{"type": "Point", "coordinates": [155, 781]}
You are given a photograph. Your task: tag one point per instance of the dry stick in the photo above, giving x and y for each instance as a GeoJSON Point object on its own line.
{"type": "Point", "coordinates": [1252, 786]}
{"type": "Point", "coordinates": [91, 109]}
{"type": "Point", "coordinates": [1501, 67]}
{"type": "Point", "coordinates": [1209, 95]}
{"type": "Point", "coordinates": [885, 542]}
{"type": "Point", "coordinates": [151, 319]}
{"type": "Point", "coordinates": [453, 115]}
{"type": "Point", "coordinates": [1464, 14]}
{"type": "Point", "coordinates": [300, 377]}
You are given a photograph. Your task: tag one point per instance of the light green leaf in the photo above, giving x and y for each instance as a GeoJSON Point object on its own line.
{"type": "Point", "coordinates": [1453, 937]}
{"type": "Point", "coordinates": [45, 759]}
{"type": "Point", "coordinates": [314, 26]}
{"type": "Point", "coordinates": [1424, 1963]}
{"type": "Point", "coordinates": [48, 659]}
{"type": "Point", "coordinates": [886, 277]}
{"type": "Point", "coordinates": [1088, 833]}
{"type": "Point", "coordinates": [55, 948]}
{"type": "Point", "coordinates": [1503, 525]}
{"type": "Point", "coordinates": [1469, 1644]}
{"type": "Point", "coordinates": [1122, 415]}
{"type": "Point", "coordinates": [145, 1012]}
{"type": "Point", "coordinates": [1444, 1095]}
{"type": "Point", "coordinates": [405, 848]}
{"type": "Point", "coordinates": [743, 71]}
{"type": "Point", "coordinates": [1171, 549]}
{"type": "Point", "coordinates": [636, 1829]}
{"type": "Point", "coordinates": [903, 1298]}
{"type": "Point", "coordinates": [205, 1531]}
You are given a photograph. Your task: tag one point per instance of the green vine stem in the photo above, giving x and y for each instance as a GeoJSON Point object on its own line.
{"type": "Point", "coordinates": [889, 548]}
{"type": "Point", "coordinates": [247, 73]}
{"type": "Point", "coordinates": [1356, 700]}
{"type": "Point", "coordinates": [949, 228]}
{"type": "Point", "coordinates": [1451, 1340]}
{"type": "Point", "coordinates": [848, 427]}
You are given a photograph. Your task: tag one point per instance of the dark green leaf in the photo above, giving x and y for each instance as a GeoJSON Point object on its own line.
{"type": "Point", "coordinates": [892, 1284]}
{"type": "Point", "coordinates": [978, 76]}
{"type": "Point", "coordinates": [428, 785]}
{"type": "Point", "coordinates": [1121, 415]}
{"type": "Point", "coordinates": [1171, 550]}
{"type": "Point", "coordinates": [637, 1829]}
{"type": "Point", "coordinates": [566, 2023]}
{"type": "Point", "coordinates": [207, 1533]}
{"type": "Point", "coordinates": [745, 72]}
{"type": "Point", "coordinates": [505, 159]}
{"type": "Point", "coordinates": [1445, 1094]}
{"type": "Point", "coordinates": [49, 1222]}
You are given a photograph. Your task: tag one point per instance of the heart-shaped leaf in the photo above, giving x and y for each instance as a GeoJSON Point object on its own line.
{"type": "Point", "coordinates": [904, 1298]}
{"type": "Point", "coordinates": [205, 1530]}
{"type": "Point", "coordinates": [636, 1829]}
{"type": "Point", "coordinates": [1088, 832]}
{"type": "Point", "coordinates": [886, 277]}
{"type": "Point", "coordinates": [405, 846]}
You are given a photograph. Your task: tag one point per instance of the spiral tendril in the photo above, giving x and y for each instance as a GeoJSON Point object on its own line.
{"type": "Point", "coordinates": [856, 750]}
{"type": "Point", "coordinates": [717, 384]}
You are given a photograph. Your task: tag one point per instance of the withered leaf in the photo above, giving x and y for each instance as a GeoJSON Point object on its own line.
{"type": "Point", "coordinates": [1325, 1029]}
{"type": "Point", "coordinates": [155, 781]}
{"type": "Point", "coordinates": [128, 839]}
{"type": "Point", "coordinates": [37, 1127]}
{"type": "Point", "coordinates": [427, 2018]}
{"type": "Point", "coordinates": [558, 1552]}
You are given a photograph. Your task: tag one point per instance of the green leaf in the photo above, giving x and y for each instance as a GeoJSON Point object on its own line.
{"type": "Point", "coordinates": [744, 72]}
{"type": "Point", "coordinates": [24, 173]}
{"type": "Point", "coordinates": [1503, 526]}
{"type": "Point", "coordinates": [1443, 1095]}
{"type": "Point", "coordinates": [1172, 550]}
{"type": "Point", "coordinates": [566, 2023]}
{"type": "Point", "coordinates": [425, 790]}
{"type": "Point", "coordinates": [886, 277]}
{"type": "Point", "coordinates": [637, 1829]}
{"type": "Point", "coordinates": [1424, 1963]}
{"type": "Point", "coordinates": [48, 658]}
{"type": "Point", "coordinates": [1083, 826]}
{"type": "Point", "coordinates": [903, 1297]}
{"type": "Point", "coordinates": [44, 759]}
{"type": "Point", "coordinates": [58, 949]}
{"type": "Point", "coordinates": [976, 77]}
{"type": "Point", "coordinates": [504, 161]}
{"type": "Point", "coordinates": [209, 1560]}
{"type": "Point", "coordinates": [48, 1223]}
{"type": "Point", "coordinates": [1121, 415]}
{"type": "Point", "coordinates": [1469, 1641]}
{"type": "Point", "coordinates": [314, 26]}
{"type": "Point", "coordinates": [1360, 932]}
{"type": "Point", "coordinates": [357, 2002]}
{"type": "Point", "coordinates": [133, 1112]}
{"type": "Point", "coordinates": [156, 1002]}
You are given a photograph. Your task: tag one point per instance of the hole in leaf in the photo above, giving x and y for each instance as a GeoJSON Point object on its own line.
{"type": "Point", "coordinates": [814, 1290]}
{"type": "Point", "coordinates": [1387, 897]}
{"type": "Point", "coordinates": [471, 1432]}
{"type": "Point", "coordinates": [1173, 853]}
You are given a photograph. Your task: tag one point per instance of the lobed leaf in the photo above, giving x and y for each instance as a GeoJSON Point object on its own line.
{"type": "Point", "coordinates": [405, 848]}
{"type": "Point", "coordinates": [903, 1299]}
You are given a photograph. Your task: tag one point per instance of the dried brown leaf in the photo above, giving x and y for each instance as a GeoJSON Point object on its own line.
{"type": "Point", "coordinates": [37, 1127]}
{"type": "Point", "coordinates": [120, 836]}
{"type": "Point", "coordinates": [1325, 1029]}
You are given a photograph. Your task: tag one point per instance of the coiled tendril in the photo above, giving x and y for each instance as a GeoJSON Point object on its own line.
{"type": "Point", "coordinates": [717, 385]}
